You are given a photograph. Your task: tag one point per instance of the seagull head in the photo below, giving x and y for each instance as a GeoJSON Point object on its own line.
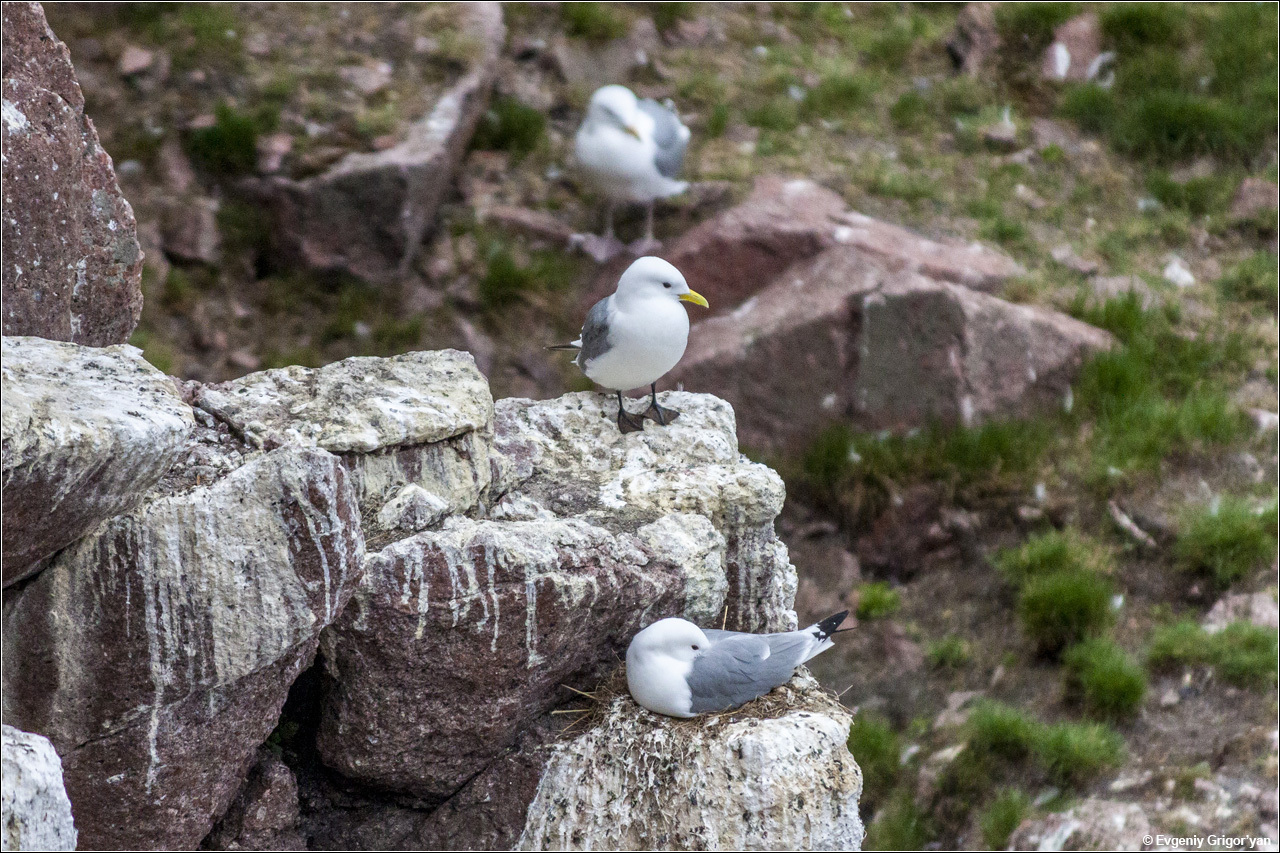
{"type": "Point", "coordinates": [617, 106]}
{"type": "Point", "coordinates": [674, 638]}
{"type": "Point", "coordinates": [651, 277]}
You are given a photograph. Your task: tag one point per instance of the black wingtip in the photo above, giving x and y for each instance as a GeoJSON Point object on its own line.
{"type": "Point", "coordinates": [564, 346]}
{"type": "Point", "coordinates": [828, 626]}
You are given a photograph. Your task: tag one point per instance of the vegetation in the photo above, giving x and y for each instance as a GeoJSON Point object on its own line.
{"type": "Point", "coordinates": [1227, 540]}
{"type": "Point", "coordinates": [948, 653]}
{"type": "Point", "coordinates": [901, 825]}
{"type": "Point", "coordinates": [877, 600]}
{"type": "Point", "coordinates": [1055, 551]}
{"type": "Point", "coordinates": [230, 146]}
{"type": "Point", "coordinates": [1104, 678]}
{"type": "Point", "coordinates": [876, 748]}
{"type": "Point", "coordinates": [1253, 280]}
{"type": "Point", "coordinates": [1001, 818]}
{"type": "Point", "coordinates": [1242, 654]}
{"type": "Point", "coordinates": [598, 22]}
{"type": "Point", "coordinates": [509, 125]}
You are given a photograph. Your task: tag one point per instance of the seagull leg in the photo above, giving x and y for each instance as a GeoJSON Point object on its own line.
{"type": "Point", "coordinates": [608, 221]}
{"type": "Point", "coordinates": [656, 412]}
{"type": "Point", "coordinates": [649, 244]}
{"type": "Point", "coordinates": [625, 423]}
{"type": "Point", "coordinates": [602, 248]}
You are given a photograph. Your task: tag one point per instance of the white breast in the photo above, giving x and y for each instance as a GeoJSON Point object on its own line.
{"type": "Point", "coordinates": [659, 683]}
{"type": "Point", "coordinates": [645, 342]}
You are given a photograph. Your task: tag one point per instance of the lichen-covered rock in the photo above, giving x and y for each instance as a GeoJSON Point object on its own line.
{"type": "Point", "coordinates": [72, 266]}
{"type": "Point", "coordinates": [849, 337]}
{"type": "Point", "coordinates": [87, 432]}
{"type": "Point", "coordinates": [35, 813]}
{"type": "Point", "coordinates": [156, 652]}
{"type": "Point", "coordinates": [1094, 824]}
{"type": "Point", "coordinates": [422, 418]}
{"type": "Point", "coordinates": [591, 535]}
{"type": "Point", "coordinates": [368, 213]}
{"type": "Point", "coordinates": [776, 775]}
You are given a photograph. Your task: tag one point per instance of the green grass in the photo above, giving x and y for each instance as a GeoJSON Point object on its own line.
{"type": "Point", "coordinates": [877, 600]}
{"type": "Point", "coordinates": [1054, 551]}
{"type": "Point", "coordinates": [1226, 540]}
{"type": "Point", "coordinates": [1074, 754]}
{"type": "Point", "coordinates": [948, 653]}
{"type": "Point", "coordinates": [836, 95]}
{"type": "Point", "coordinates": [668, 15]}
{"type": "Point", "coordinates": [230, 146]}
{"type": "Point", "coordinates": [1062, 608]}
{"type": "Point", "coordinates": [509, 125]}
{"type": "Point", "coordinates": [510, 278]}
{"type": "Point", "coordinates": [876, 748]}
{"type": "Point", "coordinates": [1106, 680]}
{"type": "Point", "coordinates": [999, 819]}
{"type": "Point", "coordinates": [1196, 196]}
{"type": "Point", "coordinates": [901, 825]}
{"type": "Point", "coordinates": [598, 22]}
{"type": "Point", "coordinates": [1068, 753]}
{"type": "Point", "coordinates": [1242, 654]}
{"type": "Point", "coordinates": [1253, 281]}
{"type": "Point", "coordinates": [1001, 731]}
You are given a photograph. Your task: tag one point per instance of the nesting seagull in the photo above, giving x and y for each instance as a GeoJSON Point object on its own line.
{"type": "Point", "coordinates": [676, 668]}
{"type": "Point", "coordinates": [632, 338]}
{"type": "Point", "coordinates": [632, 150]}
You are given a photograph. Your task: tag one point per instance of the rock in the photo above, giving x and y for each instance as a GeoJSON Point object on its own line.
{"type": "Point", "coordinates": [975, 41]}
{"type": "Point", "coordinates": [1094, 824]}
{"type": "Point", "coordinates": [1255, 196]}
{"type": "Point", "coordinates": [368, 214]}
{"type": "Point", "coordinates": [1075, 51]}
{"type": "Point", "coordinates": [931, 770]}
{"type": "Point", "coordinates": [1001, 136]}
{"type": "Point", "coordinates": [630, 528]}
{"type": "Point", "coordinates": [135, 60]}
{"type": "Point", "coordinates": [959, 706]}
{"type": "Point", "coordinates": [1176, 272]}
{"type": "Point", "coordinates": [421, 418]}
{"type": "Point", "coordinates": [86, 433]}
{"type": "Point", "coordinates": [189, 230]}
{"type": "Point", "coordinates": [1259, 608]}
{"type": "Point", "coordinates": [264, 815]}
{"type": "Point", "coordinates": [72, 266]}
{"type": "Point", "coordinates": [777, 778]}
{"type": "Point", "coordinates": [36, 814]}
{"type": "Point", "coordinates": [531, 223]}
{"type": "Point", "coordinates": [1120, 286]}
{"type": "Point", "coordinates": [1067, 257]}
{"type": "Point", "coordinates": [848, 337]}
{"type": "Point", "coordinates": [585, 65]}
{"type": "Point", "coordinates": [156, 652]}
{"type": "Point", "coordinates": [368, 79]}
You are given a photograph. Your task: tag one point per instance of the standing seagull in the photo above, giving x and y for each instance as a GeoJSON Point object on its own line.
{"type": "Point", "coordinates": [632, 338]}
{"type": "Point", "coordinates": [632, 150]}
{"type": "Point", "coordinates": [676, 668]}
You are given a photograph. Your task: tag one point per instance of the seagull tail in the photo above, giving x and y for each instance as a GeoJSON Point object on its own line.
{"type": "Point", "coordinates": [827, 627]}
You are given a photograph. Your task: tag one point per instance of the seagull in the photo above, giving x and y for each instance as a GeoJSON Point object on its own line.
{"type": "Point", "coordinates": [632, 150]}
{"type": "Point", "coordinates": [677, 669]}
{"type": "Point", "coordinates": [632, 338]}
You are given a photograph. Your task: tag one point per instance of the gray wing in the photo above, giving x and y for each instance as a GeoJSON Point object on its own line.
{"type": "Point", "coordinates": [595, 332]}
{"type": "Point", "coordinates": [739, 667]}
{"type": "Point", "coordinates": [670, 135]}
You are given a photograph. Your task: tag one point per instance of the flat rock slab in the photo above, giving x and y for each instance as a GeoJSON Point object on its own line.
{"type": "Point", "coordinates": [157, 652]}
{"type": "Point", "coordinates": [72, 267]}
{"type": "Point", "coordinates": [35, 813]}
{"type": "Point", "coordinates": [358, 405]}
{"type": "Point", "coordinates": [775, 776]}
{"type": "Point", "coordinates": [87, 432]}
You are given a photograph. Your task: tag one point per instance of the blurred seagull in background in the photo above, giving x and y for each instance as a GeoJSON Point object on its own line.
{"type": "Point", "coordinates": [631, 150]}
{"type": "Point", "coordinates": [632, 338]}
{"type": "Point", "coordinates": [676, 668]}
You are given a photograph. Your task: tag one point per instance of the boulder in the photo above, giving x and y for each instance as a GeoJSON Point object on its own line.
{"type": "Point", "coordinates": [156, 652]}
{"type": "Point", "coordinates": [1094, 824]}
{"type": "Point", "coordinates": [849, 337]}
{"type": "Point", "coordinates": [264, 815]}
{"type": "Point", "coordinates": [35, 813]}
{"type": "Point", "coordinates": [87, 432]}
{"type": "Point", "coordinates": [1075, 54]}
{"type": "Point", "coordinates": [1259, 608]}
{"type": "Point", "coordinates": [582, 519]}
{"type": "Point", "coordinates": [1255, 196]}
{"type": "Point", "coordinates": [776, 775]}
{"type": "Point", "coordinates": [72, 266]}
{"type": "Point", "coordinates": [422, 419]}
{"type": "Point", "coordinates": [975, 41]}
{"type": "Point", "coordinates": [368, 214]}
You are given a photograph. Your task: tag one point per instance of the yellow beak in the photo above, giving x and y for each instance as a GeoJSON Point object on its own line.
{"type": "Point", "coordinates": [695, 298]}
{"type": "Point", "coordinates": [629, 129]}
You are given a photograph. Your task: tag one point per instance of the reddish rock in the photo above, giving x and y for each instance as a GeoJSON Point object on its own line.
{"type": "Point", "coordinates": [72, 266]}
{"type": "Point", "coordinates": [189, 229]}
{"type": "Point", "coordinates": [851, 337]}
{"type": "Point", "coordinates": [1254, 196]}
{"type": "Point", "coordinates": [975, 41]}
{"type": "Point", "coordinates": [264, 815]}
{"type": "Point", "coordinates": [156, 652]}
{"type": "Point", "coordinates": [1075, 51]}
{"type": "Point", "coordinates": [368, 214]}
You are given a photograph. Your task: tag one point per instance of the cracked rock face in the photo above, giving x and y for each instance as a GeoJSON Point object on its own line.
{"type": "Point", "coordinates": [86, 433]}
{"type": "Point", "coordinates": [775, 776]}
{"type": "Point", "coordinates": [156, 652]}
{"type": "Point", "coordinates": [35, 813]}
{"type": "Point", "coordinates": [590, 536]}
{"type": "Point", "coordinates": [72, 266]}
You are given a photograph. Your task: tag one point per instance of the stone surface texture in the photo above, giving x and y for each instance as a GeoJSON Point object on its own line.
{"type": "Point", "coordinates": [72, 267]}
{"type": "Point", "coordinates": [35, 813]}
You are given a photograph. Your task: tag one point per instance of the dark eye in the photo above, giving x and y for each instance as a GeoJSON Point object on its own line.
{"type": "Point", "coordinates": [667, 285]}
{"type": "Point", "coordinates": [695, 648]}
